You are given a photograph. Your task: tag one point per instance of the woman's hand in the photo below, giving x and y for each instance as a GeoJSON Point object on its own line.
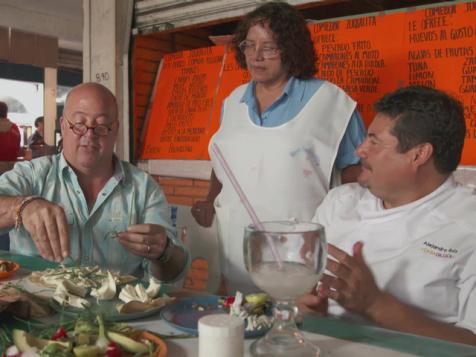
{"type": "Point", "coordinates": [203, 212]}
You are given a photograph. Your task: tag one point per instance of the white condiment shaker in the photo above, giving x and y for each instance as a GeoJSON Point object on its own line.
{"type": "Point", "coordinates": [220, 335]}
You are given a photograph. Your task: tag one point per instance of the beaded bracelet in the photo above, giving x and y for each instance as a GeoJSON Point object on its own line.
{"type": "Point", "coordinates": [21, 207]}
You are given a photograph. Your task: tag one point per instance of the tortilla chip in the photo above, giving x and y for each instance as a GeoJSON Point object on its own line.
{"type": "Point", "coordinates": [133, 307]}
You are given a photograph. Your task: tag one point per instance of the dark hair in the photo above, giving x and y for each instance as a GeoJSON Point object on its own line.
{"type": "Point", "coordinates": [427, 115]}
{"type": "Point", "coordinates": [3, 110]}
{"type": "Point", "coordinates": [290, 33]}
{"type": "Point", "coordinates": [38, 121]}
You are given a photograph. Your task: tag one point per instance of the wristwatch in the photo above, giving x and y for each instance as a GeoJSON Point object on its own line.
{"type": "Point", "coordinates": [167, 253]}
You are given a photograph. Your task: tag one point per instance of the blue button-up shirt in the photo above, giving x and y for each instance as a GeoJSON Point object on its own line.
{"type": "Point", "coordinates": [296, 94]}
{"type": "Point", "coordinates": [131, 196]}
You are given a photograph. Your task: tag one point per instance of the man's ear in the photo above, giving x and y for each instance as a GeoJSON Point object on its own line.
{"type": "Point", "coordinates": [62, 124]}
{"type": "Point", "coordinates": [422, 153]}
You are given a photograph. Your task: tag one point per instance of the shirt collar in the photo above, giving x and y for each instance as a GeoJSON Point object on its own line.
{"type": "Point", "coordinates": [292, 88]}
{"type": "Point", "coordinates": [118, 174]}
{"type": "Point", "coordinates": [372, 206]}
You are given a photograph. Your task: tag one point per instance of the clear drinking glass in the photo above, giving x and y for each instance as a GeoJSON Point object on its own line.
{"type": "Point", "coordinates": [286, 269]}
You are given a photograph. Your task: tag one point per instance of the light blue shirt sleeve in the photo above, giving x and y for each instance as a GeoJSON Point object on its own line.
{"type": "Point", "coordinates": [354, 136]}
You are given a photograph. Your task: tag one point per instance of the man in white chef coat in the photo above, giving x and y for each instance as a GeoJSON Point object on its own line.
{"type": "Point", "coordinates": [402, 241]}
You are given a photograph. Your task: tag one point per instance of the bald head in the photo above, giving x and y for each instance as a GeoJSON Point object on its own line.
{"type": "Point", "coordinates": [90, 105]}
{"type": "Point", "coordinates": [91, 89]}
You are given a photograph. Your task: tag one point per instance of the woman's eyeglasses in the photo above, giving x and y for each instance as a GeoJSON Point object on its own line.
{"type": "Point", "coordinates": [249, 48]}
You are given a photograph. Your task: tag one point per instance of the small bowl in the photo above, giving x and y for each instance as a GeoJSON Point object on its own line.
{"type": "Point", "coordinates": [12, 268]}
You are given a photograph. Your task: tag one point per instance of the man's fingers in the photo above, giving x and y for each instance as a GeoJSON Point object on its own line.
{"type": "Point", "coordinates": [145, 229]}
{"type": "Point", "coordinates": [46, 222]}
{"type": "Point", "coordinates": [135, 246]}
{"type": "Point", "coordinates": [139, 228]}
{"type": "Point", "coordinates": [341, 256]}
{"type": "Point", "coordinates": [42, 242]}
{"type": "Point", "coordinates": [52, 236]}
{"type": "Point", "coordinates": [334, 251]}
{"type": "Point", "coordinates": [357, 251]}
{"type": "Point", "coordinates": [63, 233]}
{"type": "Point", "coordinates": [310, 300]}
{"type": "Point", "coordinates": [337, 296]}
{"type": "Point", "coordinates": [338, 269]}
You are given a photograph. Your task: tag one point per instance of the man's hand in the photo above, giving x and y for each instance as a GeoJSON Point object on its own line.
{"type": "Point", "coordinates": [144, 240]}
{"type": "Point", "coordinates": [203, 212]}
{"type": "Point", "coordinates": [48, 227]}
{"type": "Point", "coordinates": [353, 285]}
{"type": "Point", "coordinates": [313, 303]}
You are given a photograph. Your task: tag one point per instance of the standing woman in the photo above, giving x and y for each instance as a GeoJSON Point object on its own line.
{"type": "Point", "coordinates": [283, 134]}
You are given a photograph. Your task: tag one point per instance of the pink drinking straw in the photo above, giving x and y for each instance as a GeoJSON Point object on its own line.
{"type": "Point", "coordinates": [245, 201]}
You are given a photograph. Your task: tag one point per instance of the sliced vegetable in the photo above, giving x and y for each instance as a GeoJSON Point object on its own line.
{"type": "Point", "coordinates": [229, 301]}
{"type": "Point", "coordinates": [87, 351]}
{"type": "Point", "coordinates": [55, 350]}
{"type": "Point", "coordinates": [102, 340]}
{"type": "Point", "coordinates": [26, 342]}
{"type": "Point", "coordinates": [256, 299]}
{"type": "Point", "coordinates": [59, 334]}
{"type": "Point", "coordinates": [113, 350]}
{"type": "Point", "coordinates": [127, 343]}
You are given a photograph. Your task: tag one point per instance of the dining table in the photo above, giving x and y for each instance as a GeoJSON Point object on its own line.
{"type": "Point", "coordinates": [335, 337]}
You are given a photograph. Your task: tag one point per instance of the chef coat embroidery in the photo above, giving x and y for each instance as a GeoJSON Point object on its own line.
{"type": "Point", "coordinates": [438, 251]}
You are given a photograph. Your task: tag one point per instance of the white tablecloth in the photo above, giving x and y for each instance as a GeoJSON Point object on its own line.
{"type": "Point", "coordinates": [181, 347]}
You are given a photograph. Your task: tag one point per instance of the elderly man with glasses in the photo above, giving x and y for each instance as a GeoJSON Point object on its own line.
{"type": "Point", "coordinates": [86, 205]}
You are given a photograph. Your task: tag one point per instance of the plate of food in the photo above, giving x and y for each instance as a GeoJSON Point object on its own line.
{"type": "Point", "coordinates": [255, 309]}
{"type": "Point", "coordinates": [8, 268]}
{"type": "Point", "coordinates": [84, 276]}
{"type": "Point", "coordinates": [116, 297]}
{"type": "Point", "coordinates": [109, 308]}
{"type": "Point", "coordinates": [86, 337]}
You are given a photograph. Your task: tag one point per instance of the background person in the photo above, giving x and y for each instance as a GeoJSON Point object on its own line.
{"type": "Point", "coordinates": [37, 138]}
{"type": "Point", "coordinates": [282, 134]}
{"type": "Point", "coordinates": [402, 243]}
{"type": "Point", "coordinates": [86, 203]}
{"type": "Point", "coordinates": [9, 140]}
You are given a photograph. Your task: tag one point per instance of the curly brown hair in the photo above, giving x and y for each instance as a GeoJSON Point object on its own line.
{"type": "Point", "coordinates": [290, 33]}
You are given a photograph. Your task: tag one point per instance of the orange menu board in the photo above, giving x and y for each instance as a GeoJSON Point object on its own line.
{"type": "Point", "coordinates": [180, 121]}
{"type": "Point", "coordinates": [370, 56]}
{"type": "Point", "coordinates": [366, 56]}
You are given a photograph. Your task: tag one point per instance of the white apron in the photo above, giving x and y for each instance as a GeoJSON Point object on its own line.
{"type": "Point", "coordinates": [284, 171]}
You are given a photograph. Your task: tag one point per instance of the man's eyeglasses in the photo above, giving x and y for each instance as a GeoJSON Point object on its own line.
{"type": "Point", "coordinates": [249, 48]}
{"type": "Point", "coordinates": [81, 129]}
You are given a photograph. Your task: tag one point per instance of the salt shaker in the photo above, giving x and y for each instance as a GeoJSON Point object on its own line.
{"type": "Point", "coordinates": [220, 335]}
